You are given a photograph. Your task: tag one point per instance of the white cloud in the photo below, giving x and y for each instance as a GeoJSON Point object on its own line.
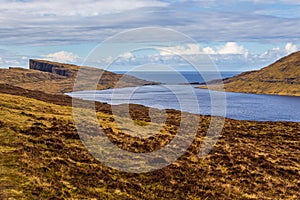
{"type": "Point", "coordinates": [209, 50]}
{"type": "Point", "coordinates": [62, 56]}
{"type": "Point", "coordinates": [229, 56]}
{"type": "Point", "coordinates": [127, 55]}
{"type": "Point", "coordinates": [273, 54]}
{"type": "Point", "coordinates": [74, 7]}
{"type": "Point", "coordinates": [278, 52]}
{"type": "Point", "coordinates": [233, 48]}
{"type": "Point", "coordinates": [107, 60]}
{"type": "Point", "coordinates": [230, 53]}
{"type": "Point", "coordinates": [290, 47]}
{"type": "Point", "coordinates": [44, 22]}
{"type": "Point", "coordinates": [189, 49]}
{"type": "Point", "coordinates": [194, 49]}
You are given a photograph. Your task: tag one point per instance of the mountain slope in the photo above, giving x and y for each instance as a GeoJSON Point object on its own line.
{"type": "Point", "coordinates": [281, 78]}
{"type": "Point", "coordinates": [42, 157]}
{"type": "Point", "coordinates": [59, 78]}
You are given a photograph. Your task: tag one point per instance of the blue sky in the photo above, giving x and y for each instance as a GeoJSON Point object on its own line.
{"type": "Point", "coordinates": [238, 35]}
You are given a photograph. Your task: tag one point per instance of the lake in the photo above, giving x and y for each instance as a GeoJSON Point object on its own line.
{"type": "Point", "coordinates": [238, 105]}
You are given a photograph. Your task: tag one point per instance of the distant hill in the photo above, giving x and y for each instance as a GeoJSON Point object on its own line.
{"type": "Point", "coordinates": [58, 78]}
{"type": "Point", "coordinates": [281, 78]}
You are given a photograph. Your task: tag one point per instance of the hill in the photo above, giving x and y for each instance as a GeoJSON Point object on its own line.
{"type": "Point", "coordinates": [280, 78]}
{"type": "Point", "coordinates": [58, 78]}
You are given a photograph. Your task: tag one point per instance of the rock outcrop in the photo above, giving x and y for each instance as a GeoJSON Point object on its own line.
{"type": "Point", "coordinates": [54, 67]}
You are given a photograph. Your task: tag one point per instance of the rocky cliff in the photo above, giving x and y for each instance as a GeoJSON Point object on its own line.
{"type": "Point", "coordinates": [53, 67]}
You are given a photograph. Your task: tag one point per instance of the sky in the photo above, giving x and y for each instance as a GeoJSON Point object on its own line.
{"type": "Point", "coordinates": [236, 35]}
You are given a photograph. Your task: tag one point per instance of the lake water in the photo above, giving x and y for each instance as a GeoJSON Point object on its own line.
{"type": "Point", "coordinates": [187, 98]}
{"type": "Point", "coordinates": [238, 105]}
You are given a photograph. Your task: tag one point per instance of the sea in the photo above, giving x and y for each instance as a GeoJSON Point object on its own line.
{"type": "Point", "coordinates": [174, 93]}
{"type": "Point", "coordinates": [179, 77]}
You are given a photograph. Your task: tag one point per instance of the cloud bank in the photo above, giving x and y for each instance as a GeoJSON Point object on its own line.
{"type": "Point", "coordinates": [71, 22]}
{"type": "Point", "coordinates": [229, 56]}
{"type": "Point", "coordinates": [223, 25]}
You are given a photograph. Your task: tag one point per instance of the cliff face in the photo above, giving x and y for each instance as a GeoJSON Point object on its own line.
{"type": "Point", "coordinates": [281, 77]}
{"type": "Point", "coordinates": [53, 67]}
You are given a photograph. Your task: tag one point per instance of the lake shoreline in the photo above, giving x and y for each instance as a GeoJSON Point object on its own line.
{"type": "Point", "coordinates": [221, 88]}
{"type": "Point", "coordinates": [239, 106]}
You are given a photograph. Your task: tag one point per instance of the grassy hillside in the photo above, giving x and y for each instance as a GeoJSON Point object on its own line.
{"type": "Point", "coordinates": [281, 77]}
{"type": "Point", "coordinates": [41, 157]}
{"type": "Point", "coordinates": [59, 78]}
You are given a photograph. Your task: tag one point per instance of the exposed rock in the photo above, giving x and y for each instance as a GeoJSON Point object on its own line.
{"type": "Point", "coordinates": [53, 67]}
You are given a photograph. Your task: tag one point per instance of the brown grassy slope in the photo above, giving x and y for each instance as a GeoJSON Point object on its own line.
{"type": "Point", "coordinates": [41, 157]}
{"type": "Point", "coordinates": [58, 78]}
{"type": "Point", "coordinates": [107, 80]}
{"type": "Point", "coordinates": [281, 77]}
{"type": "Point", "coordinates": [136, 111]}
{"type": "Point", "coordinates": [36, 80]}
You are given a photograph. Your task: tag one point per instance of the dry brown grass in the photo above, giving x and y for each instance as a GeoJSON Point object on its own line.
{"type": "Point", "coordinates": [42, 158]}
{"type": "Point", "coordinates": [281, 78]}
{"type": "Point", "coordinates": [52, 83]}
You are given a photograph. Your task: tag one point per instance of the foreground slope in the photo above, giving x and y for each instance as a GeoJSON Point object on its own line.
{"type": "Point", "coordinates": [281, 78]}
{"type": "Point", "coordinates": [42, 157]}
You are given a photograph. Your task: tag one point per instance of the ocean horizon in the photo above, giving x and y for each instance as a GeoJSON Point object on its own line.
{"type": "Point", "coordinates": [179, 77]}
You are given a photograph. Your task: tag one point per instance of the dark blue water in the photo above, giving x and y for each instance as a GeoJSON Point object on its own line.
{"type": "Point", "coordinates": [177, 77]}
{"type": "Point", "coordinates": [200, 101]}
